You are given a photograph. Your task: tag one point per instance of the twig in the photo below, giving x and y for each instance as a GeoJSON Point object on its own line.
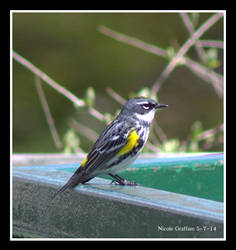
{"type": "Point", "coordinates": [183, 50]}
{"type": "Point", "coordinates": [210, 132]}
{"type": "Point", "coordinates": [153, 138]}
{"type": "Point", "coordinates": [159, 131]}
{"type": "Point", "coordinates": [47, 113]}
{"type": "Point", "coordinates": [83, 130]}
{"type": "Point", "coordinates": [78, 102]}
{"type": "Point", "coordinates": [152, 147]}
{"type": "Point", "coordinates": [47, 79]}
{"type": "Point", "coordinates": [132, 41]}
{"type": "Point", "coordinates": [203, 72]}
{"type": "Point", "coordinates": [190, 29]}
{"type": "Point", "coordinates": [116, 96]}
{"type": "Point", "coordinates": [206, 74]}
{"type": "Point", "coordinates": [96, 114]}
{"type": "Point", "coordinates": [211, 44]}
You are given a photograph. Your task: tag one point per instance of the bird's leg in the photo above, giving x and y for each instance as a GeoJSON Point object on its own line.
{"type": "Point", "coordinates": [121, 181]}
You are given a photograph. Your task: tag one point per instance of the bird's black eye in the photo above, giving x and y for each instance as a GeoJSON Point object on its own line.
{"type": "Point", "coordinates": [146, 106]}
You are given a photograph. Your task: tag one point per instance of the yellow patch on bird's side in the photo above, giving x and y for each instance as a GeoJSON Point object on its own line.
{"type": "Point", "coordinates": [132, 141]}
{"type": "Point", "coordinates": [84, 162]}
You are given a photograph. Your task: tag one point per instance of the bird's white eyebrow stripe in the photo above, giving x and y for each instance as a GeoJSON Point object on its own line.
{"type": "Point", "coordinates": [143, 102]}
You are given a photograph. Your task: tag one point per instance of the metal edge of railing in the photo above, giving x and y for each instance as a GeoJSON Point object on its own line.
{"type": "Point", "coordinates": [205, 216]}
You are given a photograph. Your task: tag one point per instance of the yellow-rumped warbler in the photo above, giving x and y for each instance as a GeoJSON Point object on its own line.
{"type": "Point", "coordinates": [119, 144]}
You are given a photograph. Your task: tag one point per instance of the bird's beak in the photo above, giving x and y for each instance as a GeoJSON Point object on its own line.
{"type": "Point", "coordinates": [159, 106]}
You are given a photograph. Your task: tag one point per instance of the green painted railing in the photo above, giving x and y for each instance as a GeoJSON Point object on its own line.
{"type": "Point", "coordinates": [180, 197]}
{"type": "Point", "coordinates": [200, 176]}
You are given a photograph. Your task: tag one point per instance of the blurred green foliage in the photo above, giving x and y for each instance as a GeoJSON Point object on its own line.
{"type": "Point", "coordinates": [68, 47]}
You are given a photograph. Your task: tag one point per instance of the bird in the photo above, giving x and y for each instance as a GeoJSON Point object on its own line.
{"type": "Point", "coordinates": [119, 145]}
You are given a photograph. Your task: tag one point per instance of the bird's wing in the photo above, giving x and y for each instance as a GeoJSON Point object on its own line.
{"type": "Point", "coordinates": [112, 140]}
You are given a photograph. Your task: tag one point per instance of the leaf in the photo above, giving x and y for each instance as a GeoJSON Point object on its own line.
{"type": "Point", "coordinates": [71, 142]}
{"type": "Point", "coordinates": [90, 97]}
{"type": "Point", "coordinates": [144, 92]}
{"type": "Point", "coordinates": [170, 146]}
{"type": "Point", "coordinates": [212, 56]}
{"type": "Point", "coordinates": [196, 129]}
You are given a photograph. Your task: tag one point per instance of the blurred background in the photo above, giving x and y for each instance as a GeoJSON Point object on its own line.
{"type": "Point", "coordinates": [70, 49]}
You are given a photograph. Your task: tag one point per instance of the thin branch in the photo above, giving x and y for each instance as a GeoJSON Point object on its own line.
{"type": "Point", "coordinates": [211, 132]}
{"type": "Point", "coordinates": [153, 138]}
{"type": "Point", "coordinates": [183, 50]}
{"type": "Point", "coordinates": [116, 96]}
{"type": "Point", "coordinates": [159, 131]}
{"type": "Point", "coordinates": [132, 41]}
{"type": "Point", "coordinates": [207, 75]}
{"type": "Point", "coordinates": [211, 44]}
{"type": "Point", "coordinates": [203, 72]}
{"type": "Point", "coordinates": [78, 102]}
{"type": "Point", "coordinates": [47, 113]}
{"type": "Point", "coordinates": [96, 114]}
{"type": "Point", "coordinates": [190, 29]}
{"type": "Point", "coordinates": [20, 59]}
{"type": "Point", "coordinates": [152, 147]}
{"type": "Point", "coordinates": [83, 130]}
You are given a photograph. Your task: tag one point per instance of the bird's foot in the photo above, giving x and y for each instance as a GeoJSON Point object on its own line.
{"type": "Point", "coordinates": [121, 181]}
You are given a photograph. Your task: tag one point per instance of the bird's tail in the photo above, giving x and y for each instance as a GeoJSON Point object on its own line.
{"type": "Point", "coordinates": [75, 179]}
